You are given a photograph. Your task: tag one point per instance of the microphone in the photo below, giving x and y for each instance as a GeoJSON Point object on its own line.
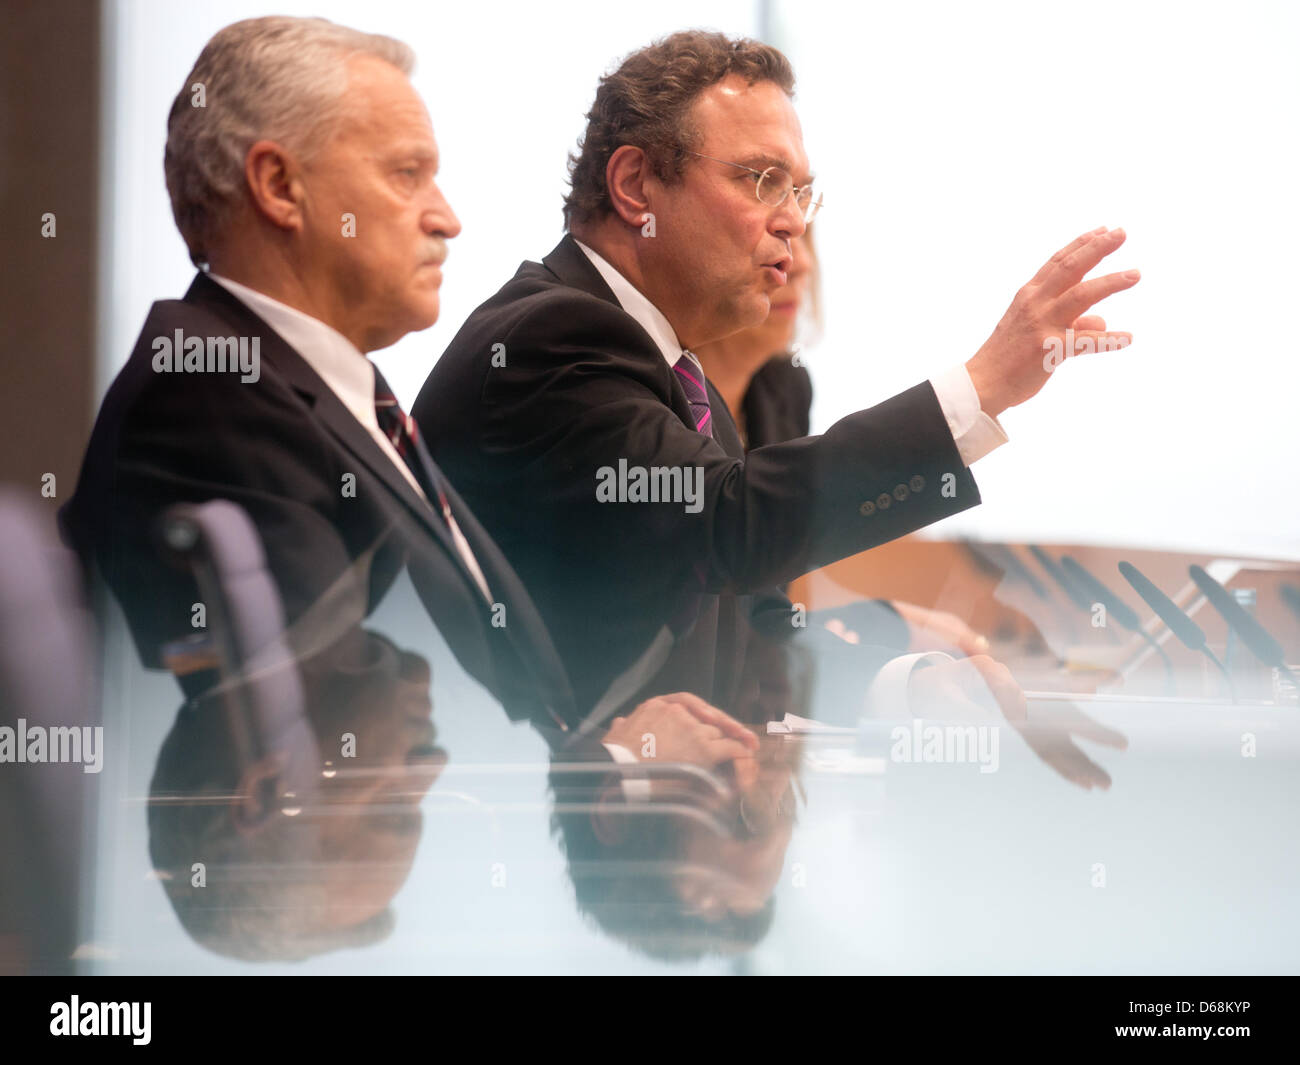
{"type": "Point", "coordinates": [1099, 593]}
{"type": "Point", "coordinates": [1190, 633]}
{"type": "Point", "coordinates": [1003, 558]}
{"type": "Point", "coordinates": [1072, 591]}
{"type": "Point", "coordinates": [1252, 633]}
{"type": "Point", "coordinates": [1117, 608]}
{"type": "Point", "coordinates": [1054, 571]}
{"type": "Point", "coordinates": [1291, 596]}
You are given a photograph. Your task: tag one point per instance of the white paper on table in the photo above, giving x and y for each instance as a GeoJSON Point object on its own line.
{"type": "Point", "coordinates": [793, 725]}
{"type": "Point", "coordinates": [839, 760]}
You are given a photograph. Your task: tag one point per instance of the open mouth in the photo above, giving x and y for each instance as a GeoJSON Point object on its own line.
{"type": "Point", "coordinates": [778, 270]}
{"type": "Point", "coordinates": [423, 738]}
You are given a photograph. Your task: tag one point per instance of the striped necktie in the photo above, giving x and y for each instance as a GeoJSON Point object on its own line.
{"type": "Point", "coordinates": [691, 374]}
{"type": "Point", "coordinates": [402, 432]}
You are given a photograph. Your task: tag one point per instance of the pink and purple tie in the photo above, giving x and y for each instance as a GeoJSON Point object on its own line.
{"type": "Point", "coordinates": [691, 375]}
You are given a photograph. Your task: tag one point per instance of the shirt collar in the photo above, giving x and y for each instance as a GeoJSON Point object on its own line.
{"type": "Point", "coordinates": [333, 356]}
{"type": "Point", "coordinates": [647, 315]}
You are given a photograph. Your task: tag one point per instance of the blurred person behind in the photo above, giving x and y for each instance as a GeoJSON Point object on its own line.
{"type": "Point", "coordinates": [762, 374]}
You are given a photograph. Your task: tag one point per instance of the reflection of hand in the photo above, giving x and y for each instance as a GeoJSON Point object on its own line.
{"type": "Point", "coordinates": [938, 630]}
{"type": "Point", "coordinates": [979, 687]}
{"type": "Point", "coordinates": [975, 687]}
{"type": "Point", "coordinates": [684, 728]}
{"type": "Point", "coordinates": [1051, 736]}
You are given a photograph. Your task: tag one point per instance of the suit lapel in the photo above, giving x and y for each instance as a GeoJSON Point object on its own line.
{"type": "Point", "coordinates": [725, 432]}
{"type": "Point", "coordinates": [326, 407]}
{"type": "Point", "coordinates": [525, 632]}
{"type": "Point", "coordinates": [570, 265]}
{"type": "Point", "coordinates": [523, 627]}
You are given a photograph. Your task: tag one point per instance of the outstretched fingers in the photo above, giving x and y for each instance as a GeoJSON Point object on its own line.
{"type": "Point", "coordinates": [1049, 267]}
{"type": "Point", "coordinates": [1063, 273]}
{"type": "Point", "coordinates": [1078, 299]}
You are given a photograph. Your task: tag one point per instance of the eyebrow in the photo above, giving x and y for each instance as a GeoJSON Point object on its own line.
{"type": "Point", "coordinates": [417, 152]}
{"type": "Point", "coordinates": [762, 162]}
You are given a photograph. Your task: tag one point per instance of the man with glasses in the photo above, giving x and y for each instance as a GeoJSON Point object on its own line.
{"type": "Point", "coordinates": [306, 123]}
{"type": "Point", "coordinates": [773, 185]}
{"type": "Point", "coordinates": [569, 408]}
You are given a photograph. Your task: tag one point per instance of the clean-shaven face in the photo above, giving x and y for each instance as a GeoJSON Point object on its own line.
{"type": "Point", "coordinates": [721, 256]}
{"type": "Point", "coordinates": [776, 334]}
{"type": "Point", "coordinates": [376, 223]}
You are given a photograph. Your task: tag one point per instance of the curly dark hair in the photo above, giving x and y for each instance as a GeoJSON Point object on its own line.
{"type": "Point", "coordinates": [645, 103]}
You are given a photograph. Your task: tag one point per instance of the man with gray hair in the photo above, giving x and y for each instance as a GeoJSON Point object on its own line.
{"type": "Point", "coordinates": [302, 167]}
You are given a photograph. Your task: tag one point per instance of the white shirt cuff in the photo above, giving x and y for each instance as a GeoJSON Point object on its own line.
{"type": "Point", "coordinates": [887, 696]}
{"type": "Point", "coordinates": [973, 431]}
{"type": "Point", "coordinates": [637, 790]}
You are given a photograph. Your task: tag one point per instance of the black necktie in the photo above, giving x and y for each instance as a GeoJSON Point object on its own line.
{"type": "Point", "coordinates": [404, 434]}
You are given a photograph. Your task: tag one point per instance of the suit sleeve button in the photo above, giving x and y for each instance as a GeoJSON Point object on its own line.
{"type": "Point", "coordinates": [900, 492]}
{"type": "Point", "coordinates": [917, 483]}
{"type": "Point", "coordinates": [883, 501]}
{"type": "Point", "coordinates": [867, 509]}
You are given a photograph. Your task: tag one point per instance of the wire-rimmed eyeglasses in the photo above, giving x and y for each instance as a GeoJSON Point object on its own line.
{"type": "Point", "coordinates": [773, 186]}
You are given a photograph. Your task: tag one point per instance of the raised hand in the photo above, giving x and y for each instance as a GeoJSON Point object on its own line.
{"type": "Point", "coordinates": [1031, 340]}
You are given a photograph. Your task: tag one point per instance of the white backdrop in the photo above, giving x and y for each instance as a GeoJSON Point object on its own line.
{"type": "Point", "coordinates": [962, 144]}
{"type": "Point", "coordinates": [959, 146]}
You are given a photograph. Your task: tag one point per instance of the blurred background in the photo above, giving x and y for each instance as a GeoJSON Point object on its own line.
{"type": "Point", "coordinates": [958, 146]}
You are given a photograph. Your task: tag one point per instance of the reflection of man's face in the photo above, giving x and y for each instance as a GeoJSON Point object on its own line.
{"type": "Point", "coordinates": [737, 876]}
{"type": "Point", "coordinates": [720, 256]}
{"type": "Point", "coordinates": [318, 818]}
{"type": "Point", "coordinates": [367, 807]}
{"type": "Point", "coordinates": [378, 169]}
{"type": "Point", "coordinates": [731, 876]}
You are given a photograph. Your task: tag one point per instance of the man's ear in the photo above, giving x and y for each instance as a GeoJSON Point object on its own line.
{"type": "Point", "coordinates": [274, 184]}
{"type": "Point", "coordinates": [609, 818]}
{"type": "Point", "coordinates": [626, 177]}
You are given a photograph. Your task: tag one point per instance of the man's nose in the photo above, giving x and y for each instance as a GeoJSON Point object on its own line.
{"type": "Point", "coordinates": [440, 218]}
{"type": "Point", "coordinates": [787, 220]}
{"type": "Point", "coordinates": [788, 224]}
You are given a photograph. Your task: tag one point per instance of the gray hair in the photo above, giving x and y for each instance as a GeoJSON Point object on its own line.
{"type": "Point", "coordinates": [278, 78]}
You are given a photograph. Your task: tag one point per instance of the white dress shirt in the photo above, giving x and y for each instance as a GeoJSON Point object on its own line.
{"type": "Point", "coordinates": [973, 431]}
{"type": "Point", "coordinates": [351, 377]}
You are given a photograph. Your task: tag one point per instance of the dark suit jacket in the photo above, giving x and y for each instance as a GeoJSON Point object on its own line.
{"type": "Point", "coordinates": [282, 448]}
{"type": "Point", "coordinates": [777, 404]}
{"type": "Point", "coordinates": [550, 380]}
